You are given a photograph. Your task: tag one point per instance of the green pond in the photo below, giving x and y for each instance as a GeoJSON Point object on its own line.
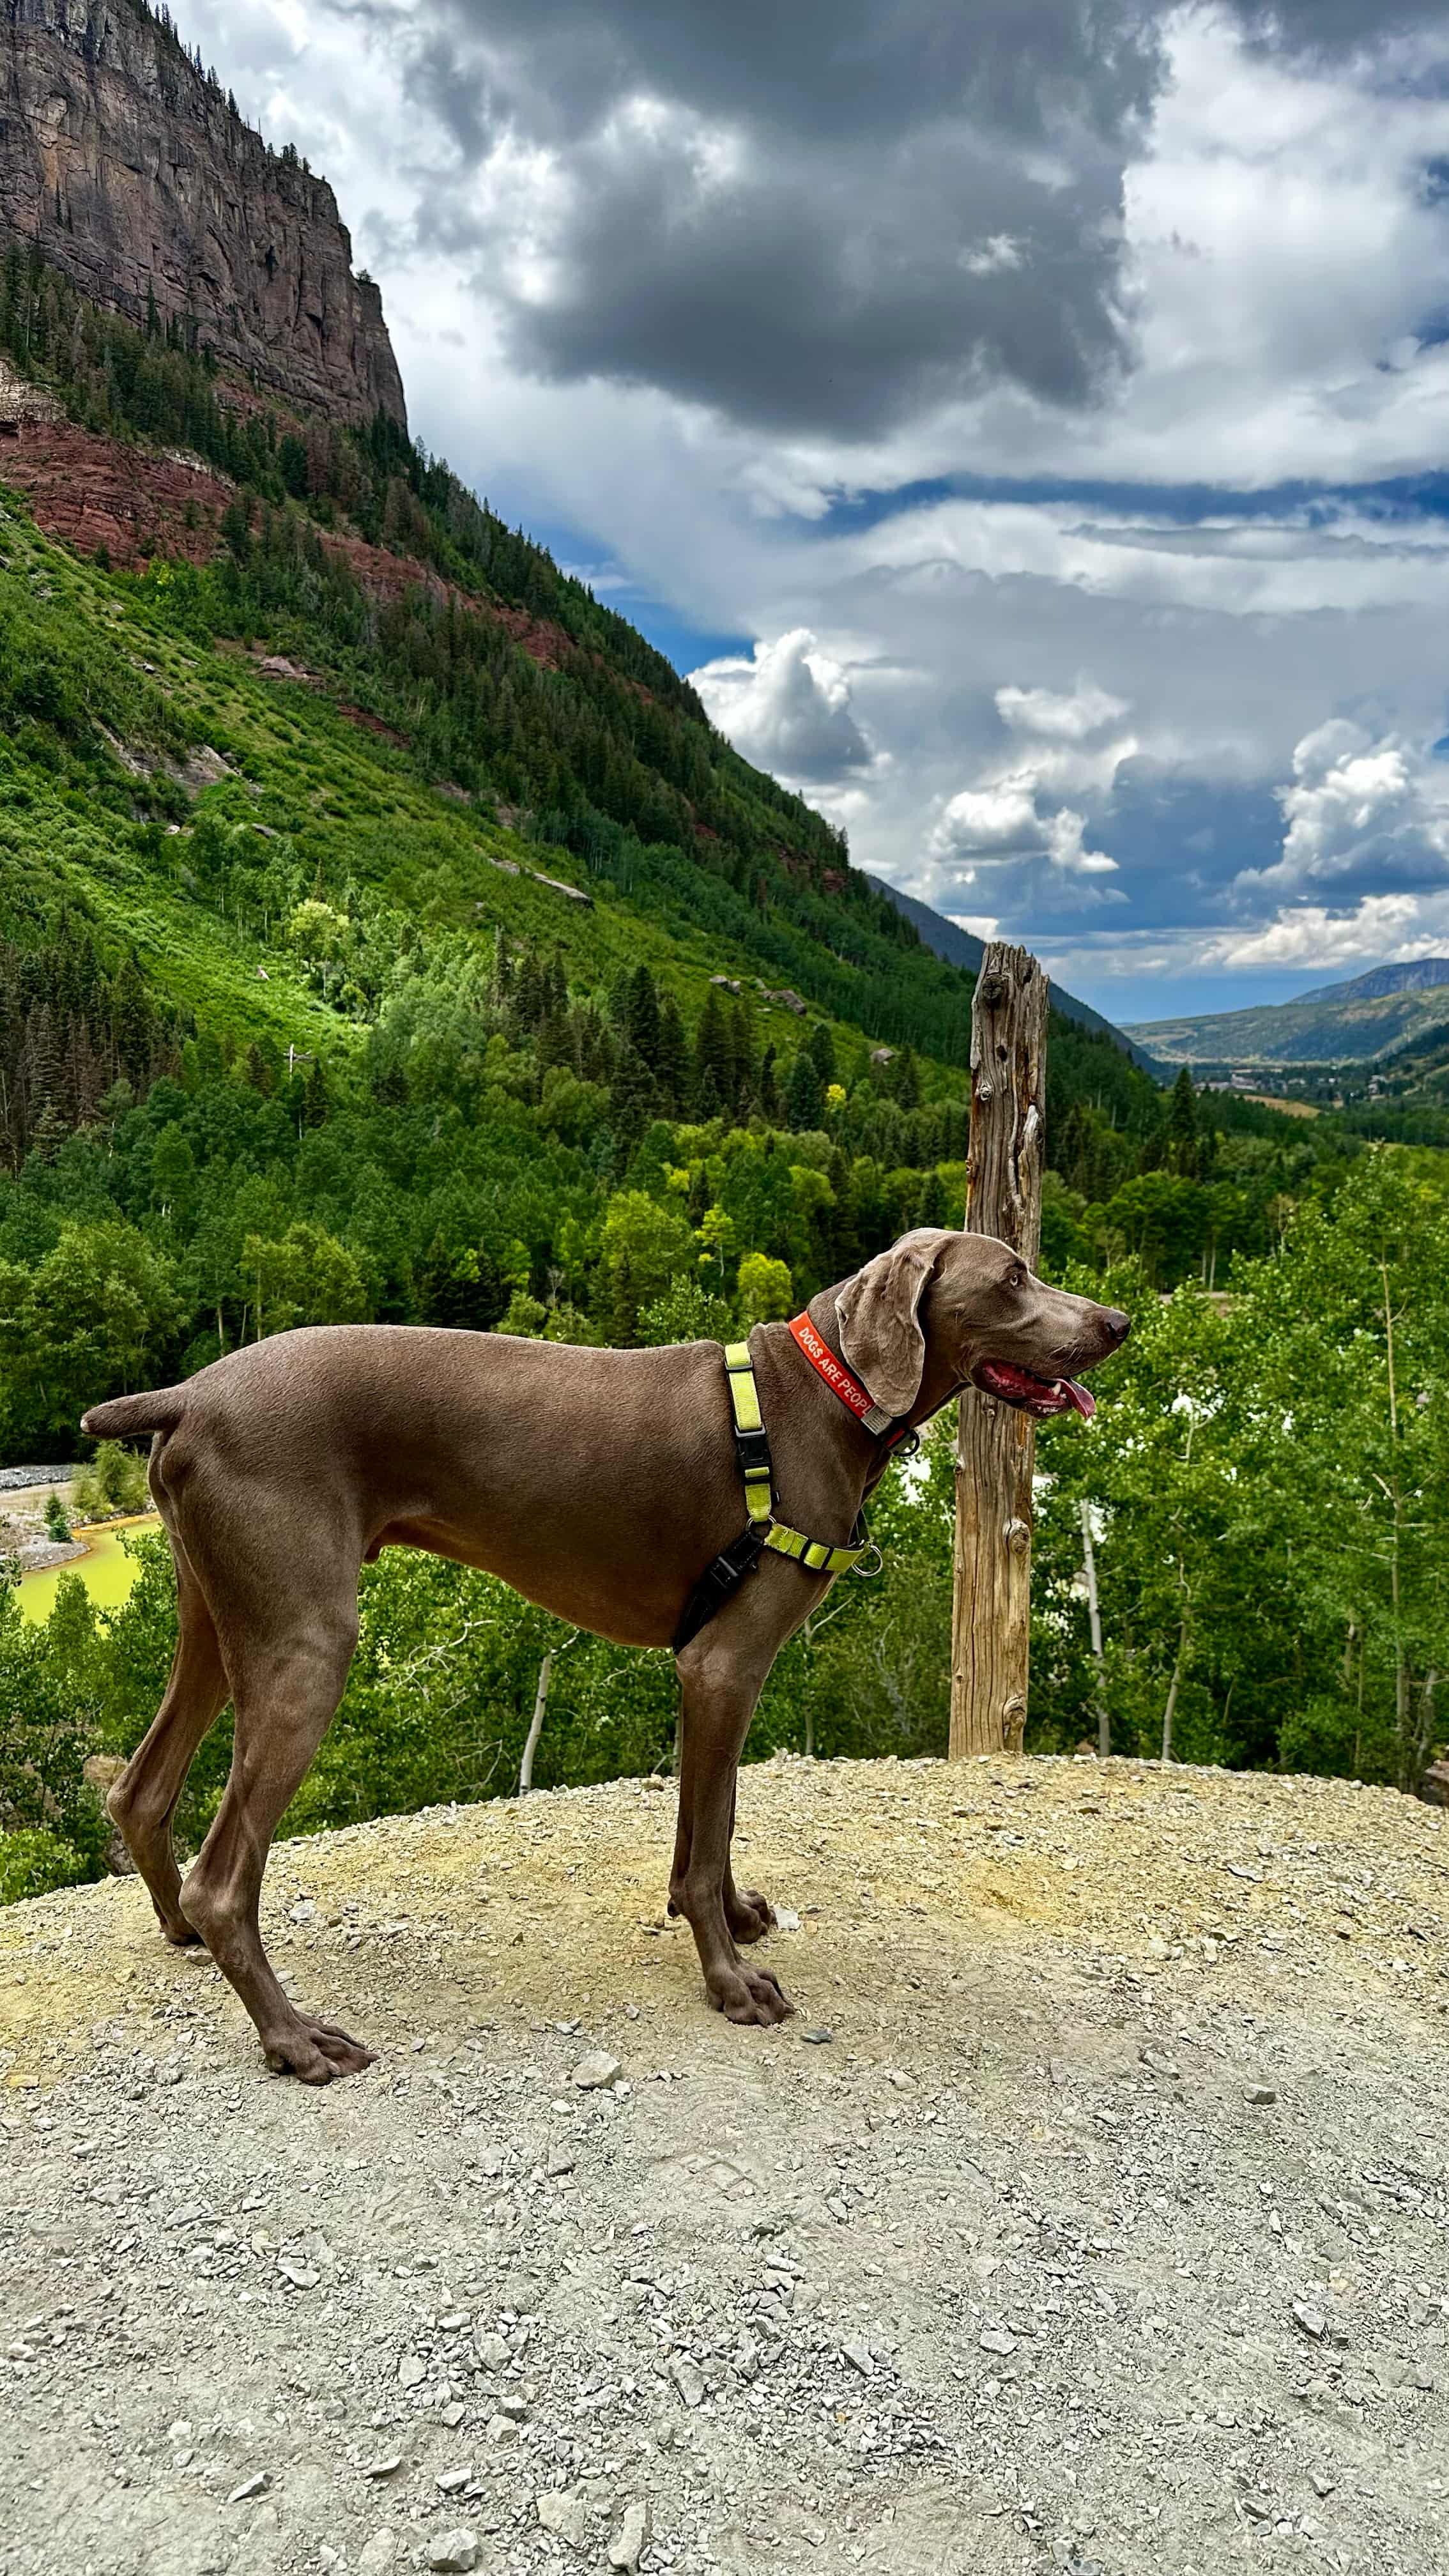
{"type": "Point", "coordinates": [105, 1569]}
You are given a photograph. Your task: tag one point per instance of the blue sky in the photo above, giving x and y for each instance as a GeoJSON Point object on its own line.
{"type": "Point", "coordinates": [1027, 424]}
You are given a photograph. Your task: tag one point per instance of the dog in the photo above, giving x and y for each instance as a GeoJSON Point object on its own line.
{"type": "Point", "coordinates": [598, 1483]}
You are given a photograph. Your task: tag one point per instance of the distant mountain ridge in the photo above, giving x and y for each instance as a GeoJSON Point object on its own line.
{"type": "Point", "coordinates": [1415, 975]}
{"type": "Point", "coordinates": [1373, 1014]}
{"type": "Point", "coordinates": [962, 948]}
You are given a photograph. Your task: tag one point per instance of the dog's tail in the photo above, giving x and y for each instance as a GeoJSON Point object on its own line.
{"type": "Point", "coordinates": [127, 1417]}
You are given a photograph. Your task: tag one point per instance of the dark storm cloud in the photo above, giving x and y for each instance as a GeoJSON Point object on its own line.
{"type": "Point", "coordinates": [816, 217]}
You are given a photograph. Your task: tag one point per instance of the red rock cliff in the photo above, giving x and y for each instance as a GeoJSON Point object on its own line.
{"type": "Point", "coordinates": [138, 180]}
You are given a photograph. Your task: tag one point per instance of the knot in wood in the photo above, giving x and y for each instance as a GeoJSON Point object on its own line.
{"type": "Point", "coordinates": [1018, 1536]}
{"type": "Point", "coordinates": [993, 990]}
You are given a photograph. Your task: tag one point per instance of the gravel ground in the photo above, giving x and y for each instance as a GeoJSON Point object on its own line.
{"type": "Point", "coordinates": [1091, 2215]}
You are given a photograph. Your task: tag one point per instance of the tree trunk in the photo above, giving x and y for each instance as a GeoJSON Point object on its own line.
{"type": "Point", "coordinates": [535, 1728]}
{"type": "Point", "coordinates": [996, 1448]}
{"type": "Point", "coordinates": [1170, 1712]}
{"type": "Point", "coordinates": [1094, 1621]}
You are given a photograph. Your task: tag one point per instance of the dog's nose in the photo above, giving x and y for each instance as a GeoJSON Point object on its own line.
{"type": "Point", "coordinates": [1118, 1324]}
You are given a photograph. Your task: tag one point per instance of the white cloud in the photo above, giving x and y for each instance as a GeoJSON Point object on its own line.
{"type": "Point", "coordinates": [1002, 821]}
{"type": "Point", "coordinates": [994, 819]}
{"type": "Point", "coordinates": [1359, 808]}
{"type": "Point", "coordinates": [787, 708]}
{"type": "Point", "coordinates": [1059, 715]}
{"type": "Point", "coordinates": [1382, 925]}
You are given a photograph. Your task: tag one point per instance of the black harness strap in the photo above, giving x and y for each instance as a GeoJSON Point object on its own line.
{"type": "Point", "coordinates": [718, 1583]}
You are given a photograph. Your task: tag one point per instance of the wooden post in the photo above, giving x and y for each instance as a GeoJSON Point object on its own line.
{"type": "Point", "coordinates": [996, 1450]}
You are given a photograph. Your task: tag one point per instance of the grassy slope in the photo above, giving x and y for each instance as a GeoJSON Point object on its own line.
{"type": "Point", "coordinates": [342, 793]}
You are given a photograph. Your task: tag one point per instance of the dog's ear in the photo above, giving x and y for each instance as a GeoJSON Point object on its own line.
{"type": "Point", "coordinates": [878, 1312]}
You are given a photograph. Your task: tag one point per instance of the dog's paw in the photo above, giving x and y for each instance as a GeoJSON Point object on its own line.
{"type": "Point", "coordinates": [749, 1995]}
{"type": "Point", "coordinates": [317, 2052]}
{"type": "Point", "coordinates": [749, 1914]}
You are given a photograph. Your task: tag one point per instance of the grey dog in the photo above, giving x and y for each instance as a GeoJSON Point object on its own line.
{"type": "Point", "coordinates": [598, 1483]}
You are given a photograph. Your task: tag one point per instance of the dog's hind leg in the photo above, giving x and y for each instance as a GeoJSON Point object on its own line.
{"type": "Point", "coordinates": [721, 1685]}
{"type": "Point", "coordinates": [286, 1685]}
{"type": "Point", "coordinates": [142, 1801]}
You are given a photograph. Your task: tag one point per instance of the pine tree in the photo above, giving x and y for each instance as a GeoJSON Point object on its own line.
{"type": "Point", "coordinates": [1181, 1139]}
{"type": "Point", "coordinates": [804, 1093]}
{"type": "Point", "coordinates": [641, 1017]}
{"type": "Point", "coordinates": [713, 1060]}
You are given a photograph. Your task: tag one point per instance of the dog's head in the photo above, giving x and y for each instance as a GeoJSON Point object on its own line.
{"type": "Point", "coordinates": [971, 1309]}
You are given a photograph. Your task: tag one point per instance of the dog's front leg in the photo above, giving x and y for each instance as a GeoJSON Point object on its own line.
{"type": "Point", "coordinates": [721, 1684]}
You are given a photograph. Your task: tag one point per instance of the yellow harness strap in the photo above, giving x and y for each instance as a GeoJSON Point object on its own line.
{"type": "Point", "coordinates": [812, 1553]}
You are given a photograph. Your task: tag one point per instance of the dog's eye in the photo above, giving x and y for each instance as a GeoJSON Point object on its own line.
{"type": "Point", "coordinates": [1017, 1279]}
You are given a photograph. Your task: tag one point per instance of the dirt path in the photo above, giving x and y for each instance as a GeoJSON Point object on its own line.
{"type": "Point", "coordinates": [1090, 2216]}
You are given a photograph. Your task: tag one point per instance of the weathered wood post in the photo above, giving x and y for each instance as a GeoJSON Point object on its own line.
{"type": "Point", "coordinates": [996, 1450]}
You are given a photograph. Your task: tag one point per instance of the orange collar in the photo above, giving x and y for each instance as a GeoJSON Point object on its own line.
{"type": "Point", "coordinates": [856, 1398]}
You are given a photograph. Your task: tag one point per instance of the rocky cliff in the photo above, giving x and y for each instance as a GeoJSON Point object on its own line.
{"type": "Point", "coordinates": [138, 178]}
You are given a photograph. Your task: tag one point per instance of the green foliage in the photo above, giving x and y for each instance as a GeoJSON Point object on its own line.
{"type": "Point", "coordinates": [51, 1823]}
{"type": "Point", "coordinates": [57, 1524]}
{"type": "Point", "coordinates": [112, 1484]}
{"type": "Point", "coordinates": [33, 1861]}
{"type": "Point", "coordinates": [1269, 1489]}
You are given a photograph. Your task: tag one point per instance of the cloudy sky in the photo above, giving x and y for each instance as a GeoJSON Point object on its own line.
{"type": "Point", "coordinates": [1027, 419]}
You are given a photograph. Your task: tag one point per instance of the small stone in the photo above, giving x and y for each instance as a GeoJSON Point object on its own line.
{"type": "Point", "coordinates": [1321, 2483]}
{"type": "Point", "coordinates": [412, 2370]}
{"type": "Point", "coordinates": [377, 2554]}
{"type": "Point", "coordinates": [501, 2430]}
{"type": "Point", "coordinates": [817, 2038]}
{"type": "Point", "coordinates": [386, 2467]}
{"type": "Point", "coordinates": [492, 2351]}
{"type": "Point", "coordinates": [453, 2481]}
{"type": "Point", "coordinates": [786, 1919]}
{"type": "Point", "coordinates": [249, 2487]}
{"type": "Point", "coordinates": [858, 2355]}
{"type": "Point", "coordinates": [996, 2339]}
{"type": "Point", "coordinates": [596, 2070]}
{"type": "Point", "coordinates": [1312, 2320]}
{"type": "Point", "coordinates": [902, 2082]}
{"type": "Point", "coordinates": [454, 2551]}
{"type": "Point", "coordinates": [301, 2275]}
{"type": "Point", "coordinates": [1261, 2094]}
{"type": "Point", "coordinates": [514, 2406]}
{"type": "Point", "coordinates": [688, 2378]}
{"type": "Point", "coordinates": [560, 2162]}
{"type": "Point", "coordinates": [564, 2514]}
{"type": "Point", "coordinates": [453, 2415]}
{"type": "Point", "coordinates": [627, 2548]}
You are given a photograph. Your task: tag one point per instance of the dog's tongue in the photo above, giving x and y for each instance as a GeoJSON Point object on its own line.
{"type": "Point", "coordinates": [1081, 1396]}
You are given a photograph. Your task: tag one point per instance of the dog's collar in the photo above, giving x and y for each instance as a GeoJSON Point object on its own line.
{"type": "Point", "coordinates": [856, 1398]}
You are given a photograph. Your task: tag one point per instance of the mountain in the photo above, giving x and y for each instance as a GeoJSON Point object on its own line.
{"type": "Point", "coordinates": [947, 939]}
{"type": "Point", "coordinates": [1372, 1015]}
{"type": "Point", "coordinates": [132, 172]}
{"type": "Point", "coordinates": [1415, 975]}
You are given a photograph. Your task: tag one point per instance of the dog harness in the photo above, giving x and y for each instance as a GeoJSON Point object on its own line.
{"type": "Point", "coordinates": [752, 1448]}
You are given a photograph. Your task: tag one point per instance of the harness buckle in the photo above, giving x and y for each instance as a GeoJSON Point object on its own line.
{"type": "Point", "coordinates": [865, 1568]}
{"type": "Point", "coordinates": [753, 1448]}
